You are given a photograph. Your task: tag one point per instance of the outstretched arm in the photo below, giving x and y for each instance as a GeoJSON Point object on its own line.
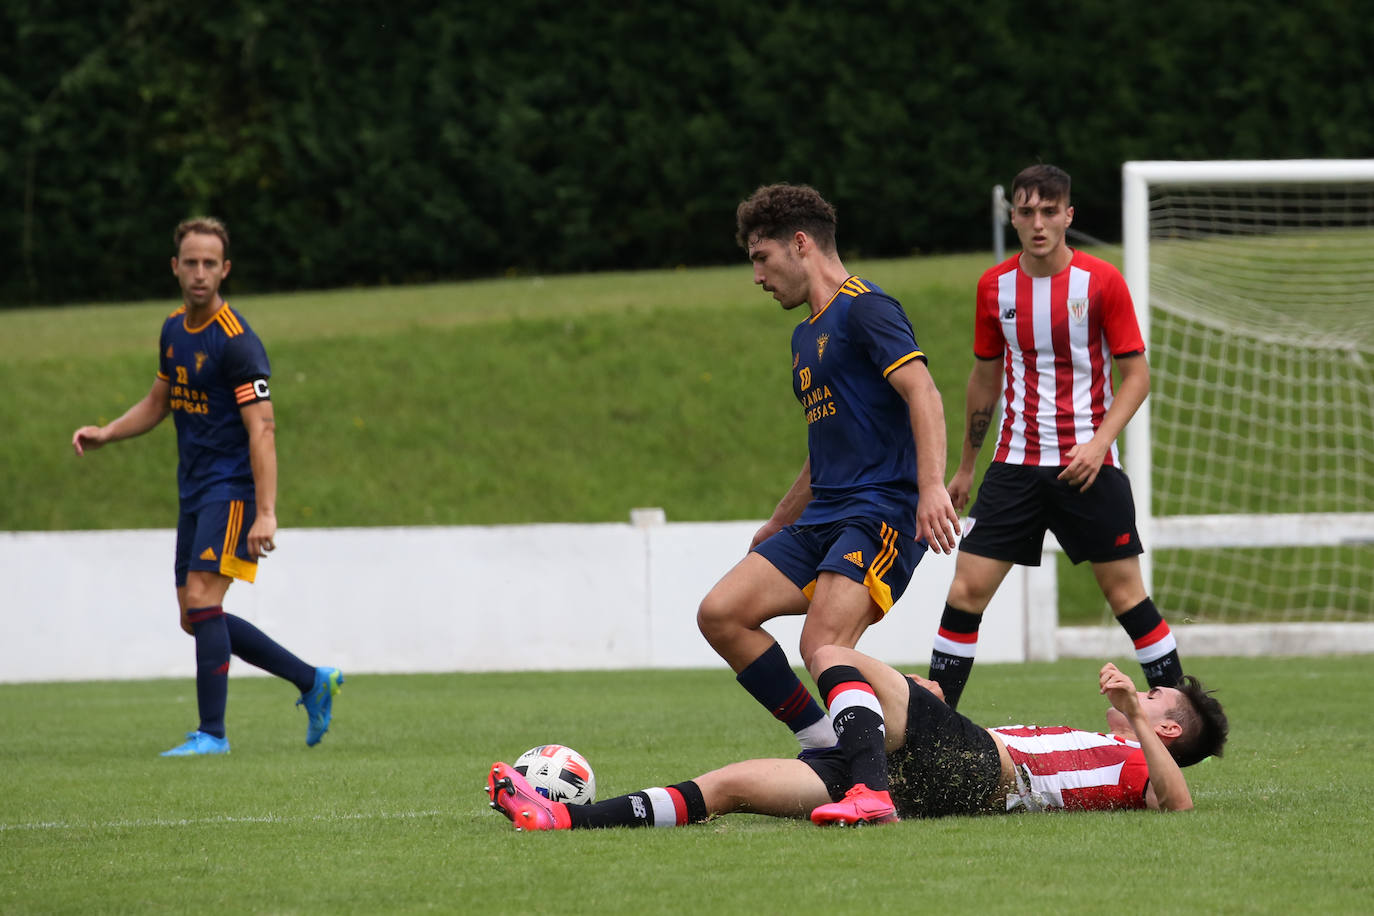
{"type": "Point", "coordinates": [135, 421]}
{"type": "Point", "coordinates": [1168, 789]}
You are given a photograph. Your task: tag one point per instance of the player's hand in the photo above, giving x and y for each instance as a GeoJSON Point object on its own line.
{"type": "Point", "coordinates": [936, 520]}
{"type": "Point", "coordinates": [1119, 690]}
{"type": "Point", "coordinates": [1085, 461]}
{"type": "Point", "coordinates": [768, 529]}
{"type": "Point", "coordinates": [87, 438]}
{"type": "Point", "coordinates": [933, 686]}
{"type": "Point", "coordinates": [960, 486]}
{"type": "Point", "coordinates": [262, 536]}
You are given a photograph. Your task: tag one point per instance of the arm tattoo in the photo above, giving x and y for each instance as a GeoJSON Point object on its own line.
{"type": "Point", "coordinates": [979, 421]}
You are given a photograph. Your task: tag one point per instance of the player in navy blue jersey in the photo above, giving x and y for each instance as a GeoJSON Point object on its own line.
{"type": "Point", "coordinates": [842, 543]}
{"type": "Point", "coordinates": [213, 378]}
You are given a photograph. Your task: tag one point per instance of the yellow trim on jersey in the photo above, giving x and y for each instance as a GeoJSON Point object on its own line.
{"type": "Point", "coordinates": [902, 362]}
{"type": "Point", "coordinates": [850, 287]}
{"type": "Point", "coordinates": [229, 564]}
{"type": "Point", "coordinates": [878, 590]}
{"type": "Point", "coordinates": [229, 321]}
{"type": "Point", "coordinates": [224, 317]}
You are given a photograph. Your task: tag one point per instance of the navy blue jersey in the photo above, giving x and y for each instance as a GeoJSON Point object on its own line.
{"type": "Point", "coordinates": [214, 370]}
{"type": "Point", "coordinates": [863, 456]}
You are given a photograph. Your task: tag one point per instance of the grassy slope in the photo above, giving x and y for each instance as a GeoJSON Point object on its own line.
{"type": "Point", "coordinates": [560, 399]}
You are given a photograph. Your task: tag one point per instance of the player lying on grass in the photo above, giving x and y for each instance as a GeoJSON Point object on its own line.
{"type": "Point", "coordinates": [903, 753]}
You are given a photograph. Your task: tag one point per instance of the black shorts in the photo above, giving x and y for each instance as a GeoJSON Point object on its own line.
{"type": "Point", "coordinates": [1017, 504]}
{"type": "Point", "coordinates": [948, 765]}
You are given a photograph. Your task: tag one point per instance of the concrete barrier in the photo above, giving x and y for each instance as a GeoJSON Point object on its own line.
{"type": "Point", "coordinates": [100, 605]}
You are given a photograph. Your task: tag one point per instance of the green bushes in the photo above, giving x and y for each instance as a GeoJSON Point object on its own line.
{"type": "Point", "coordinates": [367, 143]}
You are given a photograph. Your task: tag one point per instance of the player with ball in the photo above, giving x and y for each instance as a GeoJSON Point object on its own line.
{"type": "Point", "coordinates": [904, 753]}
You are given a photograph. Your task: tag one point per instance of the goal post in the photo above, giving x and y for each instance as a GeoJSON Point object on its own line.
{"type": "Point", "coordinates": [1252, 462]}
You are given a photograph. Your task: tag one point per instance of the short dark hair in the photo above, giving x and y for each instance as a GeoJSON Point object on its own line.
{"type": "Point", "coordinates": [1202, 722]}
{"type": "Point", "coordinates": [201, 225]}
{"type": "Point", "coordinates": [776, 211]}
{"type": "Point", "coordinates": [1049, 181]}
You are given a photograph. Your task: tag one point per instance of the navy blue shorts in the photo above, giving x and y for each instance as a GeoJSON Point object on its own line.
{"type": "Point", "coordinates": [868, 551]}
{"type": "Point", "coordinates": [948, 764]}
{"type": "Point", "coordinates": [214, 538]}
{"type": "Point", "coordinates": [1017, 504]}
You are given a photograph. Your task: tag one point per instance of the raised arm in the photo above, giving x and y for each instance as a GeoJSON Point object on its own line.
{"type": "Point", "coordinates": [135, 421]}
{"type": "Point", "coordinates": [1168, 790]}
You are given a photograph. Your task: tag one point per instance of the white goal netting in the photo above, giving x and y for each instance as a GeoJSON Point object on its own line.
{"type": "Point", "coordinates": [1261, 427]}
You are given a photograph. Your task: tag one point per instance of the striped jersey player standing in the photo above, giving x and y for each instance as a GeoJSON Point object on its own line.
{"type": "Point", "coordinates": [842, 543]}
{"type": "Point", "coordinates": [1050, 324]}
{"type": "Point", "coordinates": [213, 378]}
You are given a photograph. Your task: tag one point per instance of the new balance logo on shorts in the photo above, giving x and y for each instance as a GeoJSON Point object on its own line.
{"type": "Point", "coordinates": [1123, 539]}
{"type": "Point", "coordinates": [856, 557]}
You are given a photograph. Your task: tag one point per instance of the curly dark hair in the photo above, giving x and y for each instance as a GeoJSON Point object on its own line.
{"type": "Point", "coordinates": [1203, 723]}
{"type": "Point", "coordinates": [776, 211]}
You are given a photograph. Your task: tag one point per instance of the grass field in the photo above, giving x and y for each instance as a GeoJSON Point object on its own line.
{"type": "Point", "coordinates": [386, 815]}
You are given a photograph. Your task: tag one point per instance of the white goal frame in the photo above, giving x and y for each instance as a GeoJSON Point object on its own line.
{"type": "Point", "coordinates": [1238, 530]}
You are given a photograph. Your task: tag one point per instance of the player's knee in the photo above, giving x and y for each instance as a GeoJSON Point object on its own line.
{"type": "Point", "coordinates": [822, 657]}
{"type": "Point", "coordinates": [968, 594]}
{"type": "Point", "coordinates": [716, 618]}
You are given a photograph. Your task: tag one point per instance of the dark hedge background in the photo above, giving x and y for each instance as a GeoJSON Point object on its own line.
{"type": "Point", "coordinates": [362, 143]}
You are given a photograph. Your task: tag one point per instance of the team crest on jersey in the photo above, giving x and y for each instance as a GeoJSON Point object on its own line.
{"type": "Point", "coordinates": [200, 361]}
{"type": "Point", "coordinates": [820, 346]}
{"type": "Point", "coordinates": [1078, 308]}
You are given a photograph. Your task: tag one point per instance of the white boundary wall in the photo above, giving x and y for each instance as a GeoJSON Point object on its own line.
{"type": "Point", "coordinates": [100, 605]}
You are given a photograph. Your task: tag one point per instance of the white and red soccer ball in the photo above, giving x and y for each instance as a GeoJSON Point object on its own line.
{"type": "Point", "coordinates": [558, 773]}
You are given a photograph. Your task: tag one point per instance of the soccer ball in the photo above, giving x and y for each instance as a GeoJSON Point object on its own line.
{"type": "Point", "coordinates": [558, 773]}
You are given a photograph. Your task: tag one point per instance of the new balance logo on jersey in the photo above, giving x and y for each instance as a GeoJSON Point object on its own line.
{"type": "Point", "coordinates": [1123, 539]}
{"type": "Point", "coordinates": [1009, 313]}
{"type": "Point", "coordinates": [856, 557]}
{"type": "Point", "coordinates": [208, 553]}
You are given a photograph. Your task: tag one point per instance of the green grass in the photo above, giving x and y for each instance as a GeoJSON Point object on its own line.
{"type": "Point", "coordinates": [507, 401]}
{"type": "Point", "coordinates": [386, 815]}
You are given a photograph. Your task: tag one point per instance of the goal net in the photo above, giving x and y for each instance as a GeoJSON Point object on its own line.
{"type": "Point", "coordinates": [1253, 464]}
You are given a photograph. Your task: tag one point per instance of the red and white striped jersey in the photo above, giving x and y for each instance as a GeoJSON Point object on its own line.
{"type": "Point", "coordinates": [1065, 768]}
{"type": "Point", "coordinates": [1057, 336]}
